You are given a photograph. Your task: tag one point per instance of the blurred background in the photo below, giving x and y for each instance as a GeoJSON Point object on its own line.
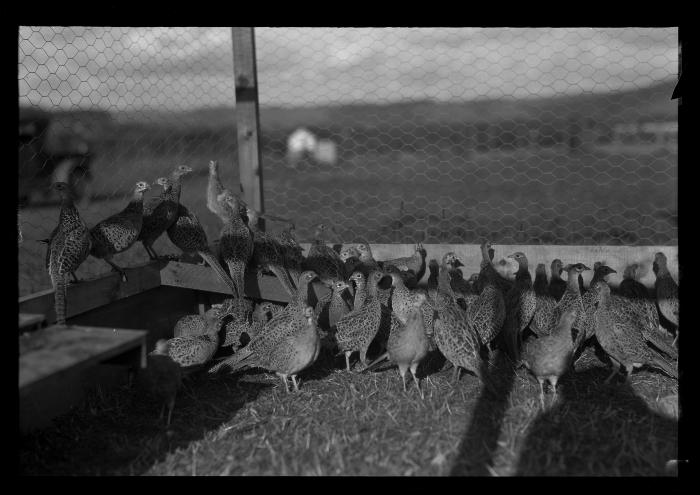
{"type": "Point", "coordinates": [525, 136]}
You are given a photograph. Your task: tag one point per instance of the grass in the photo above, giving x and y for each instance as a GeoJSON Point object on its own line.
{"type": "Point", "coordinates": [347, 423]}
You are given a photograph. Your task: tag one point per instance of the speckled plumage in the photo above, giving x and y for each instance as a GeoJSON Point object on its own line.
{"type": "Point", "coordinates": [356, 330]}
{"type": "Point", "coordinates": [267, 253]}
{"type": "Point", "coordinates": [557, 286]}
{"type": "Point", "coordinates": [520, 302]}
{"type": "Point", "coordinates": [666, 289]}
{"type": "Point", "coordinates": [407, 344]}
{"type": "Point", "coordinates": [324, 260]}
{"type": "Point", "coordinates": [214, 189]}
{"type": "Point", "coordinates": [68, 247]}
{"type": "Point", "coordinates": [338, 307]}
{"type": "Point", "coordinates": [287, 350]}
{"type": "Point", "coordinates": [120, 231]}
{"type": "Point", "coordinates": [549, 356]}
{"type": "Point", "coordinates": [236, 245]}
{"type": "Point", "coordinates": [195, 350]}
{"type": "Point", "coordinates": [414, 263]}
{"type": "Point", "coordinates": [622, 341]}
{"type": "Point", "coordinates": [160, 213]}
{"type": "Point", "coordinates": [188, 235]}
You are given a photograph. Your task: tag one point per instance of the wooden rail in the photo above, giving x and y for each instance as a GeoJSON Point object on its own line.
{"type": "Point", "coordinates": [247, 116]}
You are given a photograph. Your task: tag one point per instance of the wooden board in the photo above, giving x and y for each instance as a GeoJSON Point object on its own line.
{"type": "Point", "coordinates": [51, 353]}
{"type": "Point", "coordinates": [31, 321]}
{"type": "Point", "coordinates": [617, 257]}
{"type": "Point", "coordinates": [198, 277]}
{"type": "Point", "coordinates": [91, 294]}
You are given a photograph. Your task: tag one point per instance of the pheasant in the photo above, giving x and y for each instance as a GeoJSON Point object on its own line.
{"type": "Point", "coordinates": [630, 287]}
{"type": "Point", "coordinates": [541, 282]}
{"type": "Point", "coordinates": [286, 351]}
{"type": "Point", "coordinates": [457, 339]}
{"type": "Point", "coordinates": [434, 268]}
{"type": "Point", "coordinates": [444, 290]}
{"type": "Point", "coordinates": [521, 303]}
{"type": "Point", "coordinates": [557, 286]}
{"type": "Point", "coordinates": [403, 300]}
{"type": "Point", "coordinates": [214, 189]}
{"type": "Point", "coordinates": [411, 265]}
{"type": "Point", "coordinates": [160, 213]}
{"type": "Point", "coordinates": [291, 251]}
{"type": "Point", "coordinates": [572, 299]}
{"type": "Point", "coordinates": [120, 231]}
{"type": "Point", "coordinates": [407, 345]}
{"type": "Point", "coordinates": [487, 311]}
{"type": "Point", "coordinates": [549, 356]}
{"type": "Point", "coordinates": [367, 262]}
{"type": "Point", "coordinates": [590, 298]}
{"type": "Point", "coordinates": [348, 252]}
{"type": "Point", "coordinates": [298, 303]}
{"type": "Point", "coordinates": [192, 351]}
{"type": "Point", "coordinates": [338, 306]}
{"type": "Point", "coordinates": [323, 259]}
{"type": "Point", "coordinates": [69, 246]}
{"type": "Point", "coordinates": [463, 290]}
{"type": "Point", "coordinates": [188, 235]}
{"type": "Point", "coordinates": [162, 377]}
{"type": "Point", "coordinates": [666, 291]}
{"type": "Point", "coordinates": [194, 324]}
{"type": "Point", "coordinates": [265, 311]}
{"type": "Point", "coordinates": [356, 330]}
{"type": "Point", "coordinates": [622, 341]}
{"type": "Point", "coordinates": [360, 289]}
{"type": "Point", "coordinates": [267, 254]}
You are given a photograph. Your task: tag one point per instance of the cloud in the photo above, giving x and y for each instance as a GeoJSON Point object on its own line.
{"type": "Point", "coordinates": [184, 68]}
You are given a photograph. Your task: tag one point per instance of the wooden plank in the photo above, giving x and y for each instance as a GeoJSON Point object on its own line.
{"type": "Point", "coordinates": [198, 277]}
{"type": "Point", "coordinates": [51, 353]}
{"type": "Point", "coordinates": [247, 116]}
{"type": "Point", "coordinates": [617, 257]}
{"type": "Point", "coordinates": [31, 321]}
{"type": "Point", "coordinates": [91, 294]}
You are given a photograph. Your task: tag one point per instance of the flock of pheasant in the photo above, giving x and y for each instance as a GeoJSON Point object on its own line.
{"type": "Point", "coordinates": [543, 325]}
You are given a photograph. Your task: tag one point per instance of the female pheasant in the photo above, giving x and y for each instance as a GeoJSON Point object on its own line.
{"type": "Point", "coordinates": [160, 213]}
{"type": "Point", "coordinates": [120, 231]}
{"type": "Point", "coordinates": [69, 246]}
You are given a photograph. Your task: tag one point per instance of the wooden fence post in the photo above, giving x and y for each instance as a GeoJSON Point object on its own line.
{"type": "Point", "coordinates": [247, 117]}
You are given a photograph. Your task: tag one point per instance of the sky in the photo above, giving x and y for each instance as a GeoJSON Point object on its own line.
{"type": "Point", "coordinates": [171, 69]}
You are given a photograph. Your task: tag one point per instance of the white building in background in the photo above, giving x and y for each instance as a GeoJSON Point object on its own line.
{"type": "Point", "coordinates": [303, 143]}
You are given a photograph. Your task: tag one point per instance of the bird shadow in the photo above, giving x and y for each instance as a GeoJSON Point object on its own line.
{"type": "Point", "coordinates": [598, 429]}
{"type": "Point", "coordinates": [476, 449]}
{"type": "Point", "coordinates": [121, 433]}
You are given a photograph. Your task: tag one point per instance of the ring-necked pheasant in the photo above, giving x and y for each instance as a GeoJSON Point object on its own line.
{"type": "Point", "coordinates": [236, 244]}
{"type": "Point", "coordinates": [549, 356]}
{"type": "Point", "coordinates": [630, 287]}
{"type": "Point", "coordinates": [521, 303]}
{"type": "Point", "coordinates": [407, 345]}
{"type": "Point", "coordinates": [339, 306]}
{"type": "Point", "coordinates": [487, 311]}
{"type": "Point", "coordinates": [622, 341]}
{"type": "Point", "coordinates": [188, 235]}
{"type": "Point", "coordinates": [214, 189]}
{"type": "Point", "coordinates": [69, 246]}
{"type": "Point", "coordinates": [590, 298]}
{"type": "Point", "coordinates": [356, 330]}
{"type": "Point", "coordinates": [324, 260]}
{"type": "Point", "coordinates": [292, 252]}
{"type": "Point", "coordinates": [666, 291]}
{"type": "Point", "coordinates": [557, 286]}
{"type": "Point", "coordinates": [192, 351]}
{"type": "Point", "coordinates": [572, 299]}
{"type": "Point", "coordinates": [194, 324]}
{"type": "Point", "coordinates": [434, 268]}
{"type": "Point", "coordinates": [120, 231]}
{"type": "Point", "coordinates": [288, 350]}
{"type": "Point", "coordinates": [403, 300]}
{"type": "Point", "coordinates": [267, 254]}
{"type": "Point", "coordinates": [457, 339]}
{"type": "Point", "coordinates": [411, 265]}
{"type": "Point", "coordinates": [160, 213]}
{"type": "Point", "coordinates": [360, 282]}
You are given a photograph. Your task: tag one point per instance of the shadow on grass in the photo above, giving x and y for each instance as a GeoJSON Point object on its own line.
{"type": "Point", "coordinates": [119, 433]}
{"type": "Point", "coordinates": [476, 450]}
{"type": "Point", "coordinates": [598, 429]}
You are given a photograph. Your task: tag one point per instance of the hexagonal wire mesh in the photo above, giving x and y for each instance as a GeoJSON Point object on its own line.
{"type": "Point", "coordinates": [527, 136]}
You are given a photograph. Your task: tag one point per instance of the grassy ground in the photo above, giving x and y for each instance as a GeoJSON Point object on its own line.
{"type": "Point", "coordinates": [347, 423]}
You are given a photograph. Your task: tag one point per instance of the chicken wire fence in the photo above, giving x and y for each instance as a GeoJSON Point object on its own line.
{"type": "Point", "coordinates": [524, 136]}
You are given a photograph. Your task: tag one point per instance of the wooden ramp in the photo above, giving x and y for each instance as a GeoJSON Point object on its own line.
{"type": "Point", "coordinates": [56, 364]}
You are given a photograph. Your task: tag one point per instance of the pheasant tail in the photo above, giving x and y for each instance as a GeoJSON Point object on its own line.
{"type": "Point", "coordinates": [59, 282]}
{"type": "Point", "coordinates": [213, 262]}
{"type": "Point", "coordinates": [233, 363]}
{"type": "Point", "coordinates": [284, 278]}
